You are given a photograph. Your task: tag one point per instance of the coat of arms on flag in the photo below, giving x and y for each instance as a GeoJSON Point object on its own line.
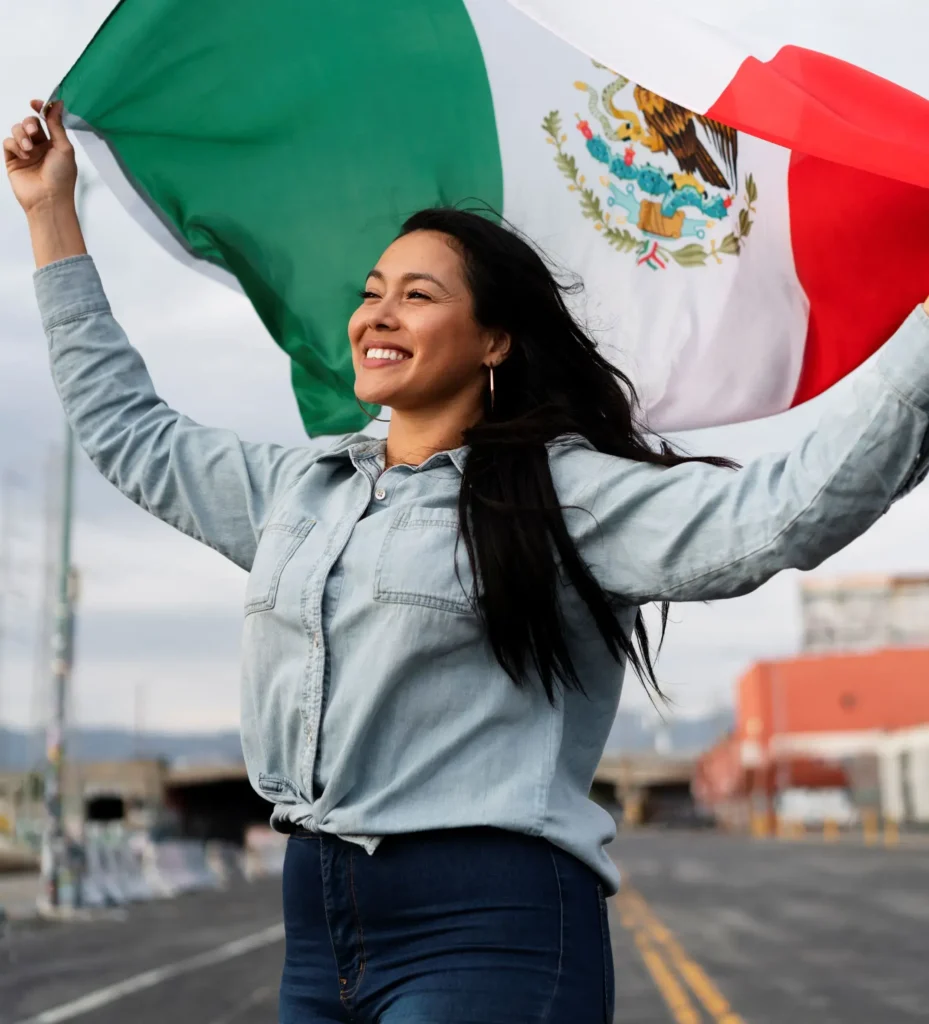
{"type": "Point", "coordinates": [671, 176]}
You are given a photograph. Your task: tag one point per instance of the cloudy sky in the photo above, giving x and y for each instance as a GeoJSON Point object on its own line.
{"type": "Point", "coordinates": [159, 615]}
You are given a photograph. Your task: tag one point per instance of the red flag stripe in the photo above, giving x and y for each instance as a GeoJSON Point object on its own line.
{"type": "Point", "coordinates": [860, 249]}
{"type": "Point", "coordinates": [820, 105]}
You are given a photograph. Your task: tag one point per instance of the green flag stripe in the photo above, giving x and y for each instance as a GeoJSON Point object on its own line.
{"type": "Point", "coordinates": [286, 142]}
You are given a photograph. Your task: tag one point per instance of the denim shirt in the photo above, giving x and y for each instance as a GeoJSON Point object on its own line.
{"type": "Point", "coordinates": [371, 703]}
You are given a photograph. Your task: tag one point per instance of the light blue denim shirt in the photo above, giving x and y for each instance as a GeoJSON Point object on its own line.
{"type": "Point", "coordinates": [371, 703]}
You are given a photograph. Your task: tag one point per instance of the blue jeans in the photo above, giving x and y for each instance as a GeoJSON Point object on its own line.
{"type": "Point", "coordinates": [462, 926]}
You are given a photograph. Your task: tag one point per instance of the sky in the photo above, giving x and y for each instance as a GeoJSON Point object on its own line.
{"type": "Point", "coordinates": [159, 616]}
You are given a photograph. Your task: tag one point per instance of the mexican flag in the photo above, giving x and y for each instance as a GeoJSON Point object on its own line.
{"type": "Point", "coordinates": [742, 188]}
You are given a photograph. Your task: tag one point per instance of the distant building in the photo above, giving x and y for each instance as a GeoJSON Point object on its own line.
{"type": "Point", "coordinates": [904, 775]}
{"type": "Point", "coordinates": [211, 801]}
{"type": "Point", "coordinates": [140, 784]}
{"type": "Point", "coordinates": [857, 721]}
{"type": "Point", "coordinates": [861, 613]}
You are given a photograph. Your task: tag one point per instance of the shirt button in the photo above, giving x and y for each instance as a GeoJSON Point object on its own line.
{"type": "Point", "coordinates": [380, 494]}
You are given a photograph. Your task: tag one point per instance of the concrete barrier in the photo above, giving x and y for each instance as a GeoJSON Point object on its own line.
{"type": "Point", "coordinates": [101, 884]}
{"type": "Point", "coordinates": [226, 861]}
{"type": "Point", "coordinates": [264, 852]}
{"type": "Point", "coordinates": [172, 867]}
{"type": "Point", "coordinates": [126, 865]}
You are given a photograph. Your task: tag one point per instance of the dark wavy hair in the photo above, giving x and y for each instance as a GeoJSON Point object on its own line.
{"type": "Point", "coordinates": [553, 382]}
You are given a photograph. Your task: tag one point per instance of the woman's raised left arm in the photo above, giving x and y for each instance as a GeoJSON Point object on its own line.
{"type": "Point", "coordinates": [696, 532]}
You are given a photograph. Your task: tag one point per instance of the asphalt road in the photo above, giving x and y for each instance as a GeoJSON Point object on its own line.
{"type": "Point", "coordinates": [773, 932]}
{"type": "Point", "coordinates": [44, 968]}
{"type": "Point", "coordinates": [707, 929]}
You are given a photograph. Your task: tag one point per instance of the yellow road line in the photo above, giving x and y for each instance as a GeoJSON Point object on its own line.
{"type": "Point", "coordinates": [672, 991]}
{"type": "Point", "coordinates": [712, 1000]}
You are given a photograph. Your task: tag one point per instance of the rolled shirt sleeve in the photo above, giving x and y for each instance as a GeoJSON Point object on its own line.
{"type": "Point", "coordinates": [204, 481]}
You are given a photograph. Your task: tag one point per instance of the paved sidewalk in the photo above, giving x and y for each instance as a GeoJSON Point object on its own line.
{"type": "Point", "coordinates": [18, 894]}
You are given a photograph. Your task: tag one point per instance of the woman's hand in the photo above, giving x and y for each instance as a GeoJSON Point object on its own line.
{"type": "Point", "coordinates": [41, 168]}
{"type": "Point", "coordinates": [43, 173]}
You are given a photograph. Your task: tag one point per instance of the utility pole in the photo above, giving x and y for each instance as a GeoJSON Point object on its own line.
{"type": "Point", "coordinates": [41, 708]}
{"type": "Point", "coordinates": [6, 532]}
{"type": "Point", "coordinates": [138, 719]}
{"type": "Point", "coordinates": [782, 767]}
{"type": "Point", "coordinates": [55, 860]}
{"type": "Point", "coordinates": [10, 482]}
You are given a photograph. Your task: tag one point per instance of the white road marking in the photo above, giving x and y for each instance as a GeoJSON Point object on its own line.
{"type": "Point", "coordinates": [148, 979]}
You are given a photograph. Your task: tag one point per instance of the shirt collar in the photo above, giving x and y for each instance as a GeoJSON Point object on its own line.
{"type": "Point", "coordinates": [359, 447]}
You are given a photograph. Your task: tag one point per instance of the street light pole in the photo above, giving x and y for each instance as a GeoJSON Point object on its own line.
{"type": "Point", "coordinates": [54, 861]}
{"type": "Point", "coordinates": [55, 866]}
{"type": "Point", "coordinates": [6, 516]}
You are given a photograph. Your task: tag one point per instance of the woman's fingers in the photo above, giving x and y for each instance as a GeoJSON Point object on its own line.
{"type": "Point", "coordinates": [56, 129]}
{"type": "Point", "coordinates": [11, 151]}
{"type": "Point", "coordinates": [13, 145]}
{"type": "Point", "coordinates": [22, 138]}
{"type": "Point", "coordinates": [25, 138]}
{"type": "Point", "coordinates": [34, 130]}
{"type": "Point", "coordinates": [29, 134]}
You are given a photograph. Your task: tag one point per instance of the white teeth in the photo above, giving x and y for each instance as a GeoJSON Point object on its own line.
{"type": "Point", "coordinates": [386, 353]}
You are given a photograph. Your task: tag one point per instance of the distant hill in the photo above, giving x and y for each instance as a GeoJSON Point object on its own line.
{"type": "Point", "coordinates": [20, 750]}
{"type": "Point", "coordinates": [631, 733]}
{"type": "Point", "coordinates": [634, 733]}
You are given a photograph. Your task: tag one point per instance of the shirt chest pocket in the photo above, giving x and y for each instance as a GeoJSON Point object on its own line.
{"type": "Point", "coordinates": [424, 562]}
{"type": "Point", "coordinates": [278, 545]}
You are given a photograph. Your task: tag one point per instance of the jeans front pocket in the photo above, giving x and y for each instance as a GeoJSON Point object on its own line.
{"type": "Point", "coordinates": [277, 546]}
{"type": "Point", "coordinates": [609, 981]}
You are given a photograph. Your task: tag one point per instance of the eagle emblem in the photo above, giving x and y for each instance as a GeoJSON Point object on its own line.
{"type": "Point", "coordinates": [671, 176]}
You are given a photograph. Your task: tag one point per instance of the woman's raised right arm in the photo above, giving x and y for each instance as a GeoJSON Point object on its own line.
{"type": "Point", "coordinates": [203, 481]}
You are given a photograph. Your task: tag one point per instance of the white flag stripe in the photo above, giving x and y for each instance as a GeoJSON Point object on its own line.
{"type": "Point", "coordinates": [657, 52]}
{"type": "Point", "coordinates": [708, 345]}
{"type": "Point", "coordinates": [691, 57]}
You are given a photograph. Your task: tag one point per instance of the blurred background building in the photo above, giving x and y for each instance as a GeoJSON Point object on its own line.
{"type": "Point", "coordinates": [842, 730]}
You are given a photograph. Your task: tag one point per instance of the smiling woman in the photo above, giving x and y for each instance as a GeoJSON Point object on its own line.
{"type": "Point", "coordinates": [439, 705]}
{"type": "Point", "coordinates": [421, 326]}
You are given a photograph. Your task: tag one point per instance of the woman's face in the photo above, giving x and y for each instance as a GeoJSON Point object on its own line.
{"type": "Point", "coordinates": [415, 343]}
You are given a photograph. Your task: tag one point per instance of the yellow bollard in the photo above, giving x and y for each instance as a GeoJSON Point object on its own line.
{"type": "Point", "coordinates": [891, 832]}
{"type": "Point", "coordinates": [869, 826]}
{"type": "Point", "coordinates": [632, 810]}
{"type": "Point", "coordinates": [830, 830]}
{"type": "Point", "coordinates": [760, 828]}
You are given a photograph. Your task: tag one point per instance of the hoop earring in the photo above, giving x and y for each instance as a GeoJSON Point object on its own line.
{"type": "Point", "coordinates": [491, 387]}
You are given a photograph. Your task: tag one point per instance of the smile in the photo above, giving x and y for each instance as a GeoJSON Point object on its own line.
{"type": "Point", "coordinates": [384, 356]}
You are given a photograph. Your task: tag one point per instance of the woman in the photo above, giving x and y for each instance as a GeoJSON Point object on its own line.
{"type": "Point", "coordinates": [436, 627]}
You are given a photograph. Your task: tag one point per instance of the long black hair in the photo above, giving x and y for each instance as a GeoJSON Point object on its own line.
{"type": "Point", "coordinates": [553, 382]}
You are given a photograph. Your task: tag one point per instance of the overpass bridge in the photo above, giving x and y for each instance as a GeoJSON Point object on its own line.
{"type": "Point", "coordinates": [648, 787]}
{"type": "Point", "coordinates": [216, 801]}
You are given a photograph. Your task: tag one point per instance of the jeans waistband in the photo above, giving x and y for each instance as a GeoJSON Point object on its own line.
{"type": "Point", "coordinates": [291, 829]}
